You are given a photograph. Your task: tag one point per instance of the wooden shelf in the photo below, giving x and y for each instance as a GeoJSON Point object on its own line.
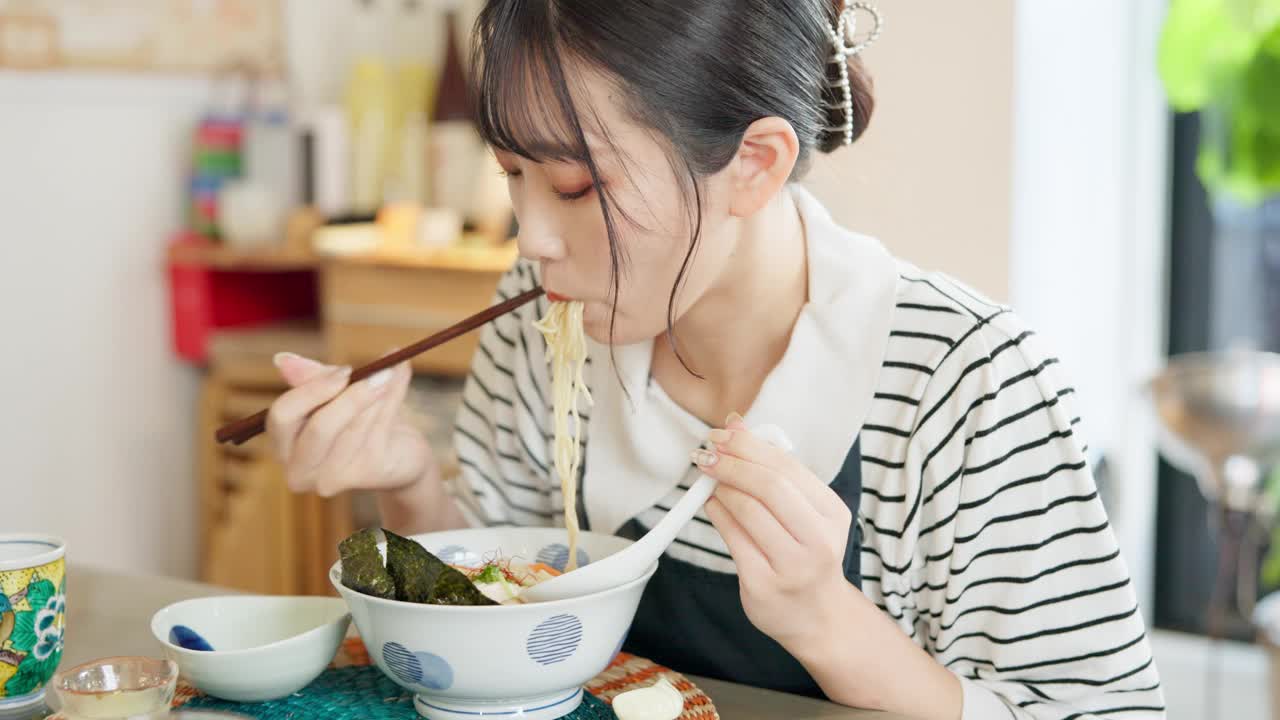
{"type": "Point", "coordinates": [466, 258]}
{"type": "Point", "coordinates": [220, 257]}
{"type": "Point", "coordinates": [473, 258]}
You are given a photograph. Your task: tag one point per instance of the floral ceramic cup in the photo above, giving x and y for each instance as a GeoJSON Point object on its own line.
{"type": "Point", "coordinates": [32, 617]}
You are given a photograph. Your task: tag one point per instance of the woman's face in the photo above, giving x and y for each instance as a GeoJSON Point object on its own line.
{"type": "Point", "coordinates": [563, 229]}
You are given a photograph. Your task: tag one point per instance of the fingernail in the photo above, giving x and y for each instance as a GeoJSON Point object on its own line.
{"type": "Point", "coordinates": [279, 359]}
{"type": "Point", "coordinates": [343, 372]}
{"type": "Point", "coordinates": [720, 437]}
{"type": "Point", "coordinates": [703, 458]}
{"type": "Point", "coordinates": [379, 379]}
{"type": "Point", "coordinates": [733, 418]}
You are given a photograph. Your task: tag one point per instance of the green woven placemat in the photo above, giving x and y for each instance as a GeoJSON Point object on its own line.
{"type": "Point", "coordinates": [356, 693]}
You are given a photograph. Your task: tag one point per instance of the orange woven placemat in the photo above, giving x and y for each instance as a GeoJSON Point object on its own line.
{"type": "Point", "coordinates": [626, 672]}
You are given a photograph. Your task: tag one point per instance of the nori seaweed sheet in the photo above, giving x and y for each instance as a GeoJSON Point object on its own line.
{"type": "Point", "coordinates": [362, 568]}
{"type": "Point", "coordinates": [421, 577]}
{"type": "Point", "coordinates": [413, 569]}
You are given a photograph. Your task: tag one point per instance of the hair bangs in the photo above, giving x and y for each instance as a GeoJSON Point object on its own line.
{"type": "Point", "coordinates": [522, 101]}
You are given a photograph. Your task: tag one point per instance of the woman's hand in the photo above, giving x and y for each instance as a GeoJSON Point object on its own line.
{"type": "Point", "coordinates": [787, 531]}
{"type": "Point", "coordinates": [332, 436]}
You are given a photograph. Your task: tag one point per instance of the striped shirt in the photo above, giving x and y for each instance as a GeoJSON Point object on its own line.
{"type": "Point", "coordinates": [984, 536]}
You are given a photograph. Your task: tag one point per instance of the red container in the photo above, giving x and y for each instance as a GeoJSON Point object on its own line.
{"type": "Point", "coordinates": [205, 299]}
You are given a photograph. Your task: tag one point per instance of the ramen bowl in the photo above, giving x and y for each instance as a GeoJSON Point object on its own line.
{"type": "Point", "coordinates": [528, 661]}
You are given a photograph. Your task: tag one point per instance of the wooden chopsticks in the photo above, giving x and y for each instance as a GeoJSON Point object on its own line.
{"type": "Point", "coordinates": [245, 429]}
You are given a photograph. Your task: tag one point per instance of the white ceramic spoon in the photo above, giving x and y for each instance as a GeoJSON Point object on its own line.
{"type": "Point", "coordinates": [627, 565]}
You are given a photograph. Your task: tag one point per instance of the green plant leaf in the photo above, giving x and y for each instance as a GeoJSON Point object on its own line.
{"type": "Point", "coordinates": [1262, 79]}
{"type": "Point", "coordinates": [1193, 34]}
{"type": "Point", "coordinates": [1205, 45]}
{"type": "Point", "coordinates": [1271, 566]}
{"type": "Point", "coordinates": [1267, 154]}
{"type": "Point", "coordinates": [39, 592]}
{"type": "Point", "coordinates": [23, 637]}
{"type": "Point", "coordinates": [1239, 154]}
{"type": "Point", "coordinates": [1271, 563]}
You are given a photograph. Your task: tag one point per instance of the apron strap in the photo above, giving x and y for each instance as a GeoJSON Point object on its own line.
{"type": "Point", "coordinates": [848, 485]}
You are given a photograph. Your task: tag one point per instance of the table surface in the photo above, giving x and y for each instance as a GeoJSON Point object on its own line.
{"type": "Point", "coordinates": [110, 614]}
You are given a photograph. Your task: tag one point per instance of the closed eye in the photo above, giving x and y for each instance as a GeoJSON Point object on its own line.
{"type": "Point", "coordinates": [575, 195]}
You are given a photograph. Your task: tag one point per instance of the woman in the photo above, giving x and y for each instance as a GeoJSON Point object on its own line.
{"type": "Point", "coordinates": [934, 544]}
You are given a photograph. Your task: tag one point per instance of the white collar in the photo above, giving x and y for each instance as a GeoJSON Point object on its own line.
{"type": "Point", "coordinates": [819, 394]}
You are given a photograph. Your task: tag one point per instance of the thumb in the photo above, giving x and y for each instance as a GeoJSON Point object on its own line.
{"type": "Point", "coordinates": [297, 370]}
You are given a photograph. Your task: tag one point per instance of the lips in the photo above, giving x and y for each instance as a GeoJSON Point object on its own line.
{"type": "Point", "coordinates": [557, 297]}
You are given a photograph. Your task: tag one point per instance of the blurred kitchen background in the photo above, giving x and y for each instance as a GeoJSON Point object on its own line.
{"type": "Point", "coordinates": [189, 186]}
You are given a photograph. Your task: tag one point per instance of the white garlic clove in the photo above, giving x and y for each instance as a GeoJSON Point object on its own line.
{"type": "Point", "coordinates": [661, 701]}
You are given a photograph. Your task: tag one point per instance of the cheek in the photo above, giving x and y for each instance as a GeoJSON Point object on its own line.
{"type": "Point", "coordinates": [655, 233]}
{"type": "Point", "coordinates": [651, 268]}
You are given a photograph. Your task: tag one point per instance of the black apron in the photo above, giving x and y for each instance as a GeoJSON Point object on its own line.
{"type": "Point", "coordinates": [691, 619]}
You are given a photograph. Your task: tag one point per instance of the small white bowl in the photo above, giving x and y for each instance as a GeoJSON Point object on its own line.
{"type": "Point", "coordinates": [264, 648]}
{"type": "Point", "coordinates": [527, 661]}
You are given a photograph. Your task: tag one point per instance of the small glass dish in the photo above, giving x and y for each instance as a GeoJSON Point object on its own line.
{"type": "Point", "coordinates": [132, 688]}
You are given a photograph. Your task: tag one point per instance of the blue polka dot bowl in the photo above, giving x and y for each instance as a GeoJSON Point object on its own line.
{"type": "Point", "coordinates": [252, 648]}
{"type": "Point", "coordinates": [518, 661]}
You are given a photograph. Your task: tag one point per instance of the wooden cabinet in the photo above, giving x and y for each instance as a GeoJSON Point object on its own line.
{"type": "Point", "coordinates": [257, 535]}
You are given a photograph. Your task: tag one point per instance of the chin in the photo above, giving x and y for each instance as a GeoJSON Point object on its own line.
{"type": "Point", "coordinates": [595, 323]}
{"type": "Point", "coordinates": [596, 327]}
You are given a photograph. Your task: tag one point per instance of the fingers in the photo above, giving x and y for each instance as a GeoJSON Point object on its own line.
{"type": "Point", "coordinates": [736, 441]}
{"type": "Point", "coordinates": [394, 397]}
{"type": "Point", "coordinates": [774, 542]}
{"type": "Point", "coordinates": [747, 556]}
{"type": "Point", "coordinates": [341, 468]}
{"type": "Point", "coordinates": [297, 370]}
{"type": "Point", "coordinates": [771, 490]}
{"type": "Point", "coordinates": [290, 411]}
{"type": "Point", "coordinates": [330, 434]}
{"type": "Point", "coordinates": [322, 430]}
{"type": "Point", "coordinates": [367, 437]}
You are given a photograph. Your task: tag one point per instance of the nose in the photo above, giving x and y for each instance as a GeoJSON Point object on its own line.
{"type": "Point", "coordinates": [539, 239]}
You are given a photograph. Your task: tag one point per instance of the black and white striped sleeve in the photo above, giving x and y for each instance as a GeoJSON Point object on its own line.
{"type": "Point", "coordinates": [502, 431]}
{"type": "Point", "coordinates": [1018, 583]}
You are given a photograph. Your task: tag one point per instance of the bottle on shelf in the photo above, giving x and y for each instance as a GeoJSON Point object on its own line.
{"type": "Point", "coordinates": [455, 148]}
{"type": "Point", "coordinates": [370, 101]}
{"type": "Point", "coordinates": [414, 78]}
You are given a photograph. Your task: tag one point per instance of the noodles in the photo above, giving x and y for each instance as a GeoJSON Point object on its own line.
{"type": "Point", "coordinates": [567, 353]}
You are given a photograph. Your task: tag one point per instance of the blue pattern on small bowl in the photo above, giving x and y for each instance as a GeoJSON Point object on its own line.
{"type": "Point", "coordinates": [185, 637]}
{"type": "Point", "coordinates": [557, 556]}
{"type": "Point", "coordinates": [423, 669]}
{"type": "Point", "coordinates": [554, 640]}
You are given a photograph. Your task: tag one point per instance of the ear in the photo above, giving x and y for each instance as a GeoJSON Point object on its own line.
{"type": "Point", "coordinates": [763, 165]}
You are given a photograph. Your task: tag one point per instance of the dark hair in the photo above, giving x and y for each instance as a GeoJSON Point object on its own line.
{"type": "Point", "coordinates": [699, 72]}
